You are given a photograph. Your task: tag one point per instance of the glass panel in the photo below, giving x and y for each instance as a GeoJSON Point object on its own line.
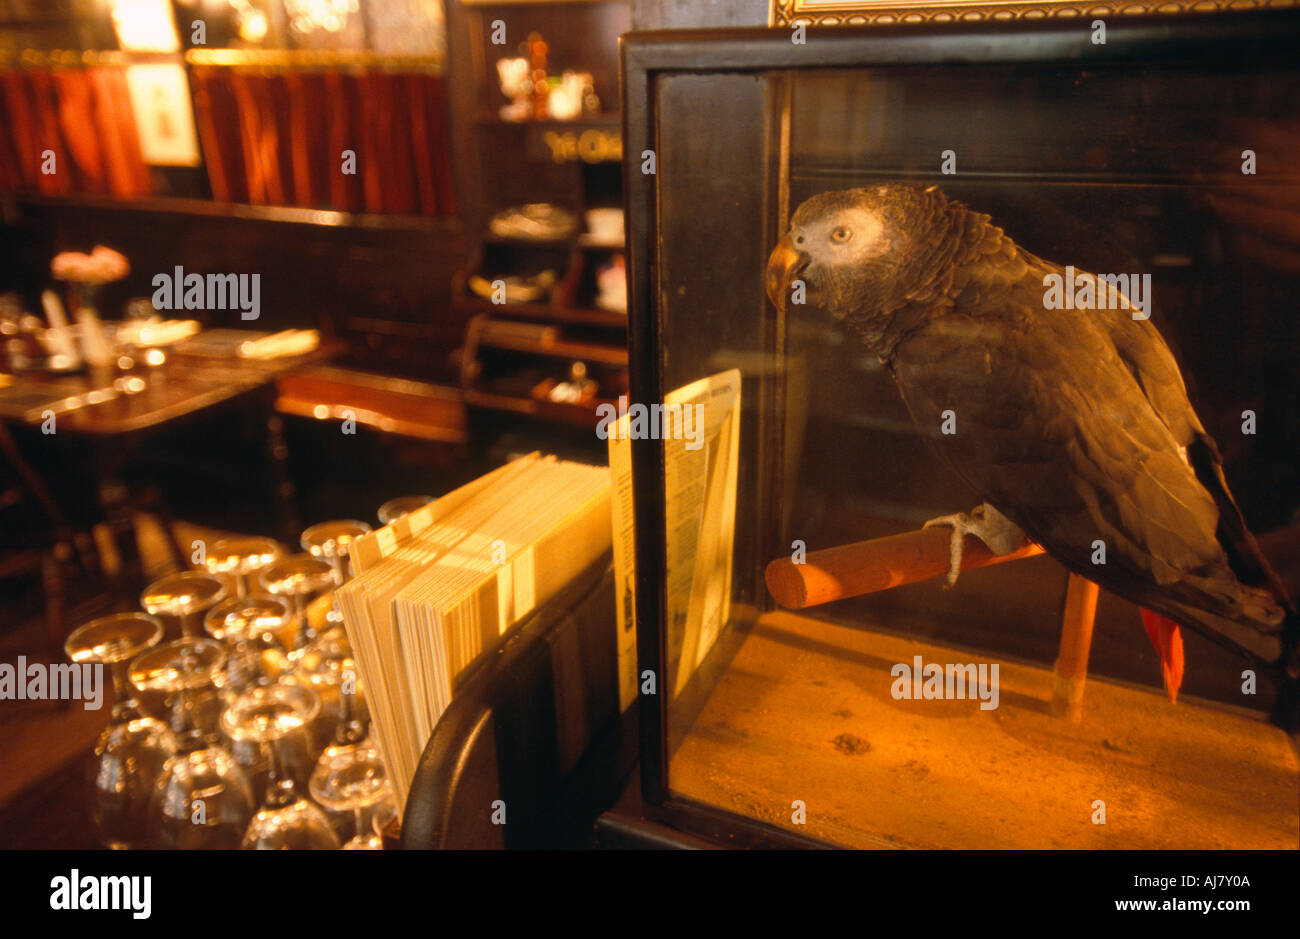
{"type": "Point", "coordinates": [1179, 178]}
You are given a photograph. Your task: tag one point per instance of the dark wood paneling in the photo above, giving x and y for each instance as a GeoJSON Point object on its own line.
{"type": "Point", "coordinates": [381, 283]}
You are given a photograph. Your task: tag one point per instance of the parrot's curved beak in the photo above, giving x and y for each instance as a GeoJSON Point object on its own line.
{"type": "Point", "coordinates": [782, 265]}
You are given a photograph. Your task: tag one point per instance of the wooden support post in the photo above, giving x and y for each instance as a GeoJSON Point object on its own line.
{"type": "Point", "coordinates": [1076, 642]}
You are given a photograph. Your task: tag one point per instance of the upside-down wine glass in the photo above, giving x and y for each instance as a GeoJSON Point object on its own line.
{"type": "Point", "coordinates": [350, 775]}
{"type": "Point", "coordinates": [332, 542]}
{"type": "Point", "coordinates": [326, 666]}
{"type": "Point", "coordinates": [298, 578]}
{"type": "Point", "coordinates": [202, 798]}
{"type": "Point", "coordinates": [242, 557]}
{"type": "Point", "coordinates": [286, 820]}
{"type": "Point", "coordinates": [186, 596]}
{"type": "Point", "coordinates": [394, 509]}
{"type": "Point", "coordinates": [250, 627]}
{"type": "Point", "coordinates": [133, 748]}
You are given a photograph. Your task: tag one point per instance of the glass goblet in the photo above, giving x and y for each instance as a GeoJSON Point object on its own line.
{"type": "Point", "coordinates": [327, 666]}
{"type": "Point", "coordinates": [202, 799]}
{"type": "Point", "coordinates": [286, 820]}
{"type": "Point", "coordinates": [250, 626]}
{"type": "Point", "coordinates": [381, 816]}
{"type": "Point", "coordinates": [332, 542]}
{"type": "Point", "coordinates": [351, 777]}
{"type": "Point", "coordinates": [394, 509]}
{"type": "Point", "coordinates": [298, 578]}
{"type": "Point", "coordinates": [186, 596]}
{"type": "Point", "coordinates": [133, 748]}
{"type": "Point", "coordinates": [241, 557]}
{"type": "Point", "coordinates": [160, 675]}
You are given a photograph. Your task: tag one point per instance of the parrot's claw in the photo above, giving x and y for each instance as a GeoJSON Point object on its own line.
{"type": "Point", "coordinates": [958, 523]}
{"type": "Point", "coordinates": [986, 523]}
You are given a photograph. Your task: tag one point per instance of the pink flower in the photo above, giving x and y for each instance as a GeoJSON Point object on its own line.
{"type": "Point", "coordinates": [99, 267]}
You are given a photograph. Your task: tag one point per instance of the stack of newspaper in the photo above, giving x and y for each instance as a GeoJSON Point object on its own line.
{"type": "Point", "coordinates": [439, 586]}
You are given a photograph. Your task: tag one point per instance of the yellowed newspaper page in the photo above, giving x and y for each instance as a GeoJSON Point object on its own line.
{"type": "Point", "coordinates": [700, 426]}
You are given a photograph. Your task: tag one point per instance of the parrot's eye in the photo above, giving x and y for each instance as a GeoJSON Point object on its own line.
{"type": "Point", "coordinates": [841, 235]}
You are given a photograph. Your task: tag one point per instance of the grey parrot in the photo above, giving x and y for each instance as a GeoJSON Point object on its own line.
{"type": "Point", "coordinates": [1074, 424]}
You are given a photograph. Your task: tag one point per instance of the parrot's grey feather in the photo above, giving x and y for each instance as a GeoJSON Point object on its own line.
{"type": "Point", "coordinates": [1075, 424]}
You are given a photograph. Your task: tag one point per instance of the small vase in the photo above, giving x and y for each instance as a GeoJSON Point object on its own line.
{"type": "Point", "coordinates": [95, 346]}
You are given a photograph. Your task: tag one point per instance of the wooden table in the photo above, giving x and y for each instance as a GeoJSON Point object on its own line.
{"type": "Point", "coordinates": [110, 413]}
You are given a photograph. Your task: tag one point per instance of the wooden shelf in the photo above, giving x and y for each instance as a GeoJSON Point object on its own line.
{"type": "Point", "coordinates": [587, 243]}
{"type": "Point", "coordinates": [534, 310]}
{"type": "Point", "coordinates": [544, 313]}
{"type": "Point", "coordinates": [282, 214]}
{"type": "Point", "coordinates": [602, 119]}
{"type": "Point", "coordinates": [511, 347]}
{"type": "Point", "coordinates": [555, 244]}
{"type": "Point", "coordinates": [409, 408]}
{"type": "Point", "coordinates": [595, 316]}
{"type": "Point", "coordinates": [559, 348]}
{"type": "Point", "coordinates": [578, 415]}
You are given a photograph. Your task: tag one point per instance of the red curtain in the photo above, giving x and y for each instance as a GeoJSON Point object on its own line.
{"type": "Point", "coordinates": [281, 138]}
{"type": "Point", "coordinates": [76, 120]}
{"type": "Point", "coordinates": [269, 138]}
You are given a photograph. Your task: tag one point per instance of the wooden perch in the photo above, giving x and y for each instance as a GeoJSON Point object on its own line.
{"type": "Point", "coordinates": [869, 566]}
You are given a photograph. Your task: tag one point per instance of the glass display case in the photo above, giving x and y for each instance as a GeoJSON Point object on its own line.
{"type": "Point", "coordinates": [932, 341]}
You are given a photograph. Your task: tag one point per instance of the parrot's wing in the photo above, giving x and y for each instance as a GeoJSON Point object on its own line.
{"type": "Point", "coordinates": [1055, 429]}
{"type": "Point", "coordinates": [1144, 352]}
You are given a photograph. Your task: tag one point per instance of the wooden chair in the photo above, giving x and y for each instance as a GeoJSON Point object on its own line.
{"type": "Point", "coordinates": [37, 539]}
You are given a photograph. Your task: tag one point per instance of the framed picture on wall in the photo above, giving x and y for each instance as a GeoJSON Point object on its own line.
{"type": "Point", "coordinates": [164, 117]}
{"type": "Point", "coordinates": [864, 12]}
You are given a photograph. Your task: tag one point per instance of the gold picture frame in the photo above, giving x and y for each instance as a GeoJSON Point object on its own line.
{"type": "Point", "coordinates": [880, 12]}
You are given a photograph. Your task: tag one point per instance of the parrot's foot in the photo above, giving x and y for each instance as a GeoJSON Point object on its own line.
{"type": "Point", "coordinates": [999, 534]}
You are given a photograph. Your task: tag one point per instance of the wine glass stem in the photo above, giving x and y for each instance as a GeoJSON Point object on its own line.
{"type": "Point", "coordinates": [190, 625]}
{"type": "Point", "coordinates": [300, 617]}
{"type": "Point", "coordinates": [280, 788]}
{"type": "Point", "coordinates": [125, 707]}
{"type": "Point", "coordinates": [121, 686]}
{"type": "Point", "coordinates": [358, 818]}
{"type": "Point", "coordinates": [185, 723]}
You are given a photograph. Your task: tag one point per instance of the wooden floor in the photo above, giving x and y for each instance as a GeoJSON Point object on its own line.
{"type": "Point", "coordinates": [805, 713]}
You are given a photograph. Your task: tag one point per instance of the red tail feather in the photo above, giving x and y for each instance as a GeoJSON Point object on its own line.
{"type": "Point", "coordinates": [1169, 644]}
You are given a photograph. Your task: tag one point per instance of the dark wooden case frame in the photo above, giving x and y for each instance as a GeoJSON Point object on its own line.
{"type": "Point", "coordinates": [1214, 40]}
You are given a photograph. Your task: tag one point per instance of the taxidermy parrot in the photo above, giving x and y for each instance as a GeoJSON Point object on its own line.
{"type": "Point", "coordinates": [1073, 425]}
